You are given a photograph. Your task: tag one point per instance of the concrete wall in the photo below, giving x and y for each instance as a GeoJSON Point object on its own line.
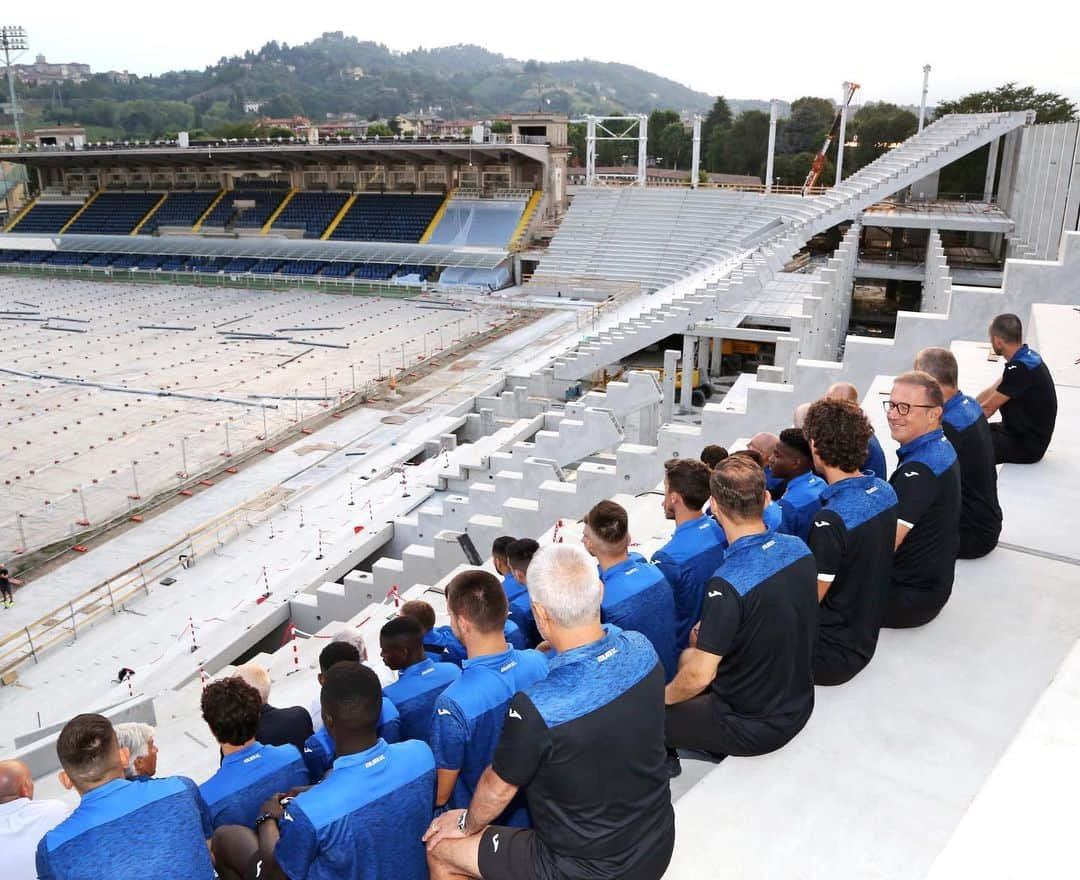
{"type": "Point", "coordinates": [1042, 190]}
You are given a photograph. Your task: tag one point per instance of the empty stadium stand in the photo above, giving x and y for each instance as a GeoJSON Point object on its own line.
{"type": "Point", "coordinates": [387, 218]}
{"type": "Point", "coordinates": [180, 209]}
{"type": "Point", "coordinates": [478, 223]}
{"type": "Point", "coordinates": [228, 213]}
{"type": "Point", "coordinates": [310, 212]}
{"type": "Point", "coordinates": [113, 213]}
{"type": "Point", "coordinates": [47, 217]}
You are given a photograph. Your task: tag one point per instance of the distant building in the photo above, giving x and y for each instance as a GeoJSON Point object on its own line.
{"type": "Point", "coordinates": [41, 72]}
{"type": "Point", "coordinates": [252, 106]}
{"type": "Point", "coordinates": [120, 77]}
{"type": "Point", "coordinates": [296, 124]}
{"type": "Point", "coordinates": [354, 72]}
{"type": "Point", "coordinates": [71, 136]}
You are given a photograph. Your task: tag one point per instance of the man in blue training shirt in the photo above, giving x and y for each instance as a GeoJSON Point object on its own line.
{"type": "Point", "coordinates": [250, 772]}
{"type": "Point", "coordinates": [469, 714]}
{"type": "Point", "coordinates": [1025, 396]}
{"type": "Point", "coordinates": [965, 425]}
{"type": "Point", "coordinates": [927, 486]}
{"type": "Point", "coordinates": [745, 685]}
{"type": "Point", "coordinates": [875, 455]}
{"type": "Point", "coordinates": [97, 840]}
{"type": "Point", "coordinates": [852, 540]}
{"type": "Point", "coordinates": [696, 547]}
{"type": "Point", "coordinates": [440, 643]}
{"type": "Point", "coordinates": [791, 461]}
{"type": "Point", "coordinates": [320, 750]}
{"type": "Point", "coordinates": [636, 595]}
{"type": "Point", "coordinates": [501, 562]}
{"type": "Point", "coordinates": [586, 744]}
{"type": "Point", "coordinates": [518, 555]}
{"type": "Point", "coordinates": [420, 679]}
{"type": "Point", "coordinates": [363, 822]}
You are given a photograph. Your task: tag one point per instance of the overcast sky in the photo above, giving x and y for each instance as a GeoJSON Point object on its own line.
{"type": "Point", "coordinates": [788, 50]}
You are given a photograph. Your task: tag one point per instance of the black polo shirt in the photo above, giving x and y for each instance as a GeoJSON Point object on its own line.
{"type": "Point", "coordinates": [587, 744]}
{"type": "Point", "coordinates": [927, 486]}
{"type": "Point", "coordinates": [852, 539]}
{"type": "Point", "coordinates": [968, 431]}
{"type": "Point", "coordinates": [1029, 416]}
{"type": "Point", "coordinates": [279, 727]}
{"type": "Point", "coordinates": [761, 615]}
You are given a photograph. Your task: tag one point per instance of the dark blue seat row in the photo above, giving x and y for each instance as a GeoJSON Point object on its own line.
{"type": "Point", "coordinates": [179, 209]}
{"type": "Point", "coordinates": [227, 213]}
{"type": "Point", "coordinates": [387, 218]}
{"type": "Point", "coordinates": [113, 213]}
{"type": "Point", "coordinates": [46, 217]}
{"type": "Point", "coordinates": [311, 211]}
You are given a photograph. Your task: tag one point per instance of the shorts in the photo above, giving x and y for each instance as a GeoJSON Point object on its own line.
{"type": "Point", "coordinates": [975, 544]}
{"type": "Point", "coordinates": [709, 724]}
{"type": "Point", "coordinates": [905, 609]}
{"type": "Point", "coordinates": [1012, 449]}
{"type": "Point", "coordinates": [835, 664]}
{"type": "Point", "coordinates": [520, 854]}
{"type": "Point", "coordinates": [254, 868]}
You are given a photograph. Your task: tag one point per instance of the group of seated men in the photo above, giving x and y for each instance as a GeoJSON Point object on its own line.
{"type": "Point", "coordinates": [537, 733]}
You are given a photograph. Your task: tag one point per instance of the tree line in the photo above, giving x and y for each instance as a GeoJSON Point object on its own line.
{"type": "Point", "coordinates": [739, 144]}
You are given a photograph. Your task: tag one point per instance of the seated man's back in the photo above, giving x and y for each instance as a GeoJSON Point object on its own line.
{"type": "Point", "coordinates": [247, 778]}
{"type": "Point", "coordinates": [687, 562]}
{"type": "Point", "coordinates": [320, 751]}
{"type": "Point", "coordinates": [364, 820]}
{"type": "Point", "coordinates": [980, 513]}
{"type": "Point", "coordinates": [127, 830]}
{"type": "Point", "coordinates": [637, 597]}
{"type": "Point", "coordinates": [442, 638]}
{"type": "Point", "coordinates": [415, 692]}
{"type": "Point", "coordinates": [587, 741]}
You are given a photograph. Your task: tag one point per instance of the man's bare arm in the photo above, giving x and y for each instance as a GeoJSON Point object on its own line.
{"type": "Point", "coordinates": [697, 669]}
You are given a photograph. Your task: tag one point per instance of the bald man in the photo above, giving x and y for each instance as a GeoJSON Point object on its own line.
{"type": "Point", "coordinates": [875, 457]}
{"type": "Point", "coordinates": [764, 443]}
{"type": "Point", "coordinates": [23, 821]}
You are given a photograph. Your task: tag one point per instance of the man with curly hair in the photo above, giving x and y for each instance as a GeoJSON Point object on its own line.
{"type": "Point", "coordinates": [250, 772]}
{"type": "Point", "coordinates": [852, 539]}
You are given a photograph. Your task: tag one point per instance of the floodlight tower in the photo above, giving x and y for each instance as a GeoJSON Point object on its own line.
{"type": "Point", "coordinates": [925, 90]}
{"type": "Point", "coordinates": [13, 40]}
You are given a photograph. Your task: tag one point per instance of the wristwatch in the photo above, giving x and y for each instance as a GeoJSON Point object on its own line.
{"type": "Point", "coordinates": [463, 821]}
{"type": "Point", "coordinates": [265, 817]}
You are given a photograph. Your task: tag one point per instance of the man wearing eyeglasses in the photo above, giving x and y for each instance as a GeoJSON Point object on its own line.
{"type": "Point", "coordinates": [927, 485]}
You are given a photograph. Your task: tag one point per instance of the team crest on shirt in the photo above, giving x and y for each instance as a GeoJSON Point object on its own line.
{"type": "Point", "coordinates": [514, 714]}
{"type": "Point", "coordinates": [495, 843]}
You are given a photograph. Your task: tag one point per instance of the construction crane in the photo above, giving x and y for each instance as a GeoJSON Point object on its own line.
{"type": "Point", "coordinates": [819, 160]}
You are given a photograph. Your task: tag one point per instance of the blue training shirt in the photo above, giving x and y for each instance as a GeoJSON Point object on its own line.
{"type": "Point", "coordinates": [638, 597]}
{"type": "Point", "coordinates": [520, 609]}
{"type": "Point", "coordinates": [415, 692]}
{"type": "Point", "coordinates": [320, 751]}
{"type": "Point", "coordinates": [469, 717]}
{"type": "Point", "coordinates": [127, 830]}
{"type": "Point", "coordinates": [247, 778]}
{"type": "Point", "coordinates": [875, 459]}
{"type": "Point", "coordinates": [365, 820]}
{"type": "Point", "coordinates": [687, 562]}
{"type": "Point", "coordinates": [443, 638]}
{"type": "Point", "coordinates": [799, 504]}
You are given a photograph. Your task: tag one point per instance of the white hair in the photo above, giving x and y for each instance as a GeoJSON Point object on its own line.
{"type": "Point", "coordinates": [135, 736]}
{"type": "Point", "coordinates": [257, 676]}
{"type": "Point", "coordinates": [563, 578]}
{"type": "Point", "coordinates": [798, 419]}
{"type": "Point", "coordinates": [353, 636]}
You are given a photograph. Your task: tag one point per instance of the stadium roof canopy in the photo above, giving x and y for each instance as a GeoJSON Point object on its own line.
{"type": "Point", "coordinates": [263, 248]}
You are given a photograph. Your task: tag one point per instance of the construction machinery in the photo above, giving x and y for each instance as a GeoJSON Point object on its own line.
{"type": "Point", "coordinates": [819, 160]}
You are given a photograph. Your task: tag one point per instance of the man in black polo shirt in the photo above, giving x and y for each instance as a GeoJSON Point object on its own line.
{"type": "Point", "coordinates": [852, 538]}
{"type": "Point", "coordinates": [968, 431]}
{"type": "Point", "coordinates": [745, 685]}
{"type": "Point", "coordinates": [1025, 395]}
{"type": "Point", "coordinates": [586, 743]}
{"type": "Point", "coordinates": [927, 484]}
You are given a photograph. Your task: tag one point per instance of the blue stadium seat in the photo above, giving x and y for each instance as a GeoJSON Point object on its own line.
{"type": "Point", "coordinates": [266, 200]}
{"type": "Point", "coordinates": [179, 209]}
{"type": "Point", "coordinates": [311, 212]}
{"type": "Point", "coordinates": [387, 218]}
{"type": "Point", "coordinates": [114, 213]}
{"type": "Point", "coordinates": [46, 217]}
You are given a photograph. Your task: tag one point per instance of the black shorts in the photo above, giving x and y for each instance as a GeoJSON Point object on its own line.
{"type": "Point", "coordinates": [254, 868]}
{"type": "Point", "coordinates": [1009, 448]}
{"type": "Point", "coordinates": [707, 723]}
{"type": "Point", "coordinates": [519, 854]}
{"type": "Point", "coordinates": [835, 664]}
{"type": "Point", "coordinates": [905, 609]}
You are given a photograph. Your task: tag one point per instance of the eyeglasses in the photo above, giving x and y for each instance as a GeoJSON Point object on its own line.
{"type": "Point", "coordinates": [904, 408]}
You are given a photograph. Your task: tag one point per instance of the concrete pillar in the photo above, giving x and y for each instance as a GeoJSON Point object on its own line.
{"type": "Point", "coordinates": [703, 357]}
{"type": "Point", "coordinates": [773, 111]}
{"type": "Point", "coordinates": [991, 170]}
{"type": "Point", "coordinates": [695, 156]}
{"type": "Point", "coordinates": [687, 373]}
{"type": "Point", "coordinates": [925, 90]}
{"type": "Point", "coordinates": [843, 133]}
{"type": "Point", "coordinates": [716, 349]}
{"type": "Point", "coordinates": [671, 359]}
